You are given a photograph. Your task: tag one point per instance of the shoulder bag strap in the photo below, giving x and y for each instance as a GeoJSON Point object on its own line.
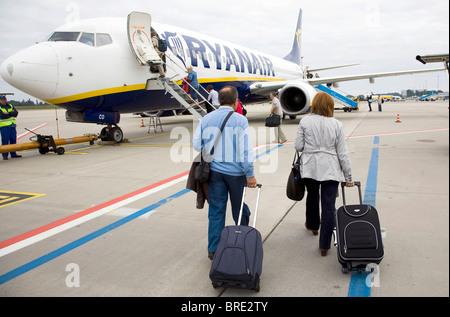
{"type": "Point", "coordinates": [221, 130]}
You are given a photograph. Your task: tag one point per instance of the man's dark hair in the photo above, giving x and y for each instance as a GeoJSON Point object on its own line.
{"type": "Point", "coordinates": [228, 95]}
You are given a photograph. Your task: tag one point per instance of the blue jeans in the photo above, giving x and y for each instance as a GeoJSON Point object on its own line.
{"type": "Point", "coordinates": [325, 193]}
{"type": "Point", "coordinates": [9, 136]}
{"type": "Point", "coordinates": [219, 186]}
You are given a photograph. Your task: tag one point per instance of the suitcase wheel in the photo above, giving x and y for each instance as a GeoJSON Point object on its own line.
{"type": "Point", "coordinates": [345, 269]}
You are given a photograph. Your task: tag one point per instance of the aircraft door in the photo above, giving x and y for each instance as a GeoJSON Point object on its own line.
{"type": "Point", "coordinates": [139, 38]}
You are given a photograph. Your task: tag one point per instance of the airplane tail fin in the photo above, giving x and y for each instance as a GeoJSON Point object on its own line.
{"type": "Point", "coordinates": [295, 54]}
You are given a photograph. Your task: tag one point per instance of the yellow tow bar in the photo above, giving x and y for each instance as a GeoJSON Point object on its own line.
{"type": "Point", "coordinates": [46, 143]}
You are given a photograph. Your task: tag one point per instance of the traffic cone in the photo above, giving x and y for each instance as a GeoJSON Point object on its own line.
{"type": "Point", "coordinates": [398, 119]}
{"type": "Point", "coordinates": [142, 123]}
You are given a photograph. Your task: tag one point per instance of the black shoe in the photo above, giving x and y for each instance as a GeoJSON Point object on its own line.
{"type": "Point", "coordinates": [16, 156]}
{"type": "Point", "coordinates": [211, 255]}
{"type": "Point", "coordinates": [5, 158]}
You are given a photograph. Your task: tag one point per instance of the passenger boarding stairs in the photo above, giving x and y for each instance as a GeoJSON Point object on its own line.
{"type": "Point", "coordinates": [139, 38]}
{"type": "Point", "coordinates": [348, 103]}
{"type": "Point", "coordinates": [172, 86]}
{"type": "Point", "coordinates": [183, 98]}
{"type": "Point", "coordinates": [427, 96]}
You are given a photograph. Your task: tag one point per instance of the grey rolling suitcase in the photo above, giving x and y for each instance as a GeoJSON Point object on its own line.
{"type": "Point", "coordinates": [358, 235]}
{"type": "Point", "coordinates": [239, 255]}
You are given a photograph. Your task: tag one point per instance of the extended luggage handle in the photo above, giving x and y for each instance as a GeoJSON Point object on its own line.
{"type": "Point", "coordinates": [358, 184]}
{"type": "Point", "coordinates": [256, 208]}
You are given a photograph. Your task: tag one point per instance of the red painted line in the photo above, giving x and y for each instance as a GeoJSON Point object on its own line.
{"type": "Point", "coordinates": [32, 130]}
{"type": "Point", "coordinates": [60, 222]}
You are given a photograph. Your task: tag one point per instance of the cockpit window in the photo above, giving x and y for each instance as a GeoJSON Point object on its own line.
{"type": "Point", "coordinates": [64, 36]}
{"type": "Point", "coordinates": [92, 39]}
{"type": "Point", "coordinates": [87, 38]}
{"type": "Point", "coordinates": [103, 39]}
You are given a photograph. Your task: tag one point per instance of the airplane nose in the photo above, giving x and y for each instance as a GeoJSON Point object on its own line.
{"type": "Point", "coordinates": [33, 70]}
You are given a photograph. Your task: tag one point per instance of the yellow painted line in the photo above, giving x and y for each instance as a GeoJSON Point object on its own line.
{"type": "Point", "coordinates": [16, 197]}
{"type": "Point", "coordinates": [77, 153]}
{"type": "Point", "coordinates": [4, 201]}
{"type": "Point", "coordinates": [149, 137]}
{"type": "Point", "coordinates": [20, 193]}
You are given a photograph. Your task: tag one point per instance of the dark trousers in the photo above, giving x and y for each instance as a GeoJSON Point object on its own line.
{"type": "Point", "coordinates": [9, 136]}
{"type": "Point", "coordinates": [324, 193]}
{"type": "Point", "coordinates": [219, 186]}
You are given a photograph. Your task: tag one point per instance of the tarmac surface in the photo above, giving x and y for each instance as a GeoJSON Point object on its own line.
{"type": "Point", "coordinates": [116, 220]}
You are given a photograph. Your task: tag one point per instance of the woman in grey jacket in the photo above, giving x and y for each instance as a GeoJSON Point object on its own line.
{"type": "Point", "coordinates": [321, 139]}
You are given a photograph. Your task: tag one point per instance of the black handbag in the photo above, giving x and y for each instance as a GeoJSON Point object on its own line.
{"type": "Point", "coordinates": [295, 188]}
{"type": "Point", "coordinates": [273, 120]}
{"type": "Point", "coordinates": [203, 169]}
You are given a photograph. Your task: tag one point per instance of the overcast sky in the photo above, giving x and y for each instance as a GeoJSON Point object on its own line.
{"type": "Point", "coordinates": [381, 35]}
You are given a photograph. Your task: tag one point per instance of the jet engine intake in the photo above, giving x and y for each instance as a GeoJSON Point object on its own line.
{"type": "Point", "coordinates": [296, 98]}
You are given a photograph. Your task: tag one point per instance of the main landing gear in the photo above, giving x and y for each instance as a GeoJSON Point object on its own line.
{"type": "Point", "coordinates": [110, 133]}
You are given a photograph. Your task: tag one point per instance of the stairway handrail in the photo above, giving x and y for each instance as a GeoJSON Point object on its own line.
{"type": "Point", "coordinates": [185, 81]}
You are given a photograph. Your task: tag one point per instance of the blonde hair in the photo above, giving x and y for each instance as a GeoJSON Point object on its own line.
{"type": "Point", "coordinates": [189, 69]}
{"type": "Point", "coordinates": [323, 105]}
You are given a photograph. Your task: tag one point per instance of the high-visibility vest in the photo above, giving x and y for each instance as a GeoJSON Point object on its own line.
{"type": "Point", "coordinates": [9, 121]}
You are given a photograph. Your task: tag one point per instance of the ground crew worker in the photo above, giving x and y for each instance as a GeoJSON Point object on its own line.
{"type": "Point", "coordinates": [8, 131]}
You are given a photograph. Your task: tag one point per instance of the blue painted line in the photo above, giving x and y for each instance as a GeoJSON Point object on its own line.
{"type": "Point", "coordinates": [371, 186]}
{"type": "Point", "coordinates": [376, 140]}
{"type": "Point", "coordinates": [358, 287]}
{"type": "Point", "coordinates": [54, 254]}
{"type": "Point", "coordinates": [269, 150]}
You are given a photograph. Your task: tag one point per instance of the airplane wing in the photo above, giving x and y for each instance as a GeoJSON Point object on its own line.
{"type": "Point", "coordinates": [327, 68]}
{"type": "Point", "coordinates": [318, 81]}
{"type": "Point", "coordinates": [264, 88]}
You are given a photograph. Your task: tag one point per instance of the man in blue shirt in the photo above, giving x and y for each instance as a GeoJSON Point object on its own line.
{"type": "Point", "coordinates": [231, 166]}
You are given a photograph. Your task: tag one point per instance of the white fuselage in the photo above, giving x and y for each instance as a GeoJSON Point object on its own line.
{"type": "Point", "coordinates": [78, 74]}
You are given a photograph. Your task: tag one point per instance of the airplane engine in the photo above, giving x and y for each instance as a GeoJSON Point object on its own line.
{"type": "Point", "coordinates": [296, 98]}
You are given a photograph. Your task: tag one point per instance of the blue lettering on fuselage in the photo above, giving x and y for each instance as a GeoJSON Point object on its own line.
{"type": "Point", "coordinates": [234, 59]}
{"type": "Point", "coordinates": [244, 59]}
{"type": "Point", "coordinates": [196, 49]}
{"type": "Point", "coordinates": [175, 44]}
{"type": "Point", "coordinates": [217, 53]}
{"type": "Point", "coordinates": [231, 59]}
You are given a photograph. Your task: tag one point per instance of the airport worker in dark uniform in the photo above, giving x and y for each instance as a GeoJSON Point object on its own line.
{"type": "Point", "coordinates": [8, 131]}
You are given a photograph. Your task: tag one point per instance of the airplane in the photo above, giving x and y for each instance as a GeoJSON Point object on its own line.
{"type": "Point", "coordinates": [99, 68]}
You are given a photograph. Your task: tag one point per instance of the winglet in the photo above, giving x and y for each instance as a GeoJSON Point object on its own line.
{"type": "Point", "coordinates": [295, 54]}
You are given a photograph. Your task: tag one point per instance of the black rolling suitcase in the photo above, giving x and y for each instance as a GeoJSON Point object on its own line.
{"type": "Point", "coordinates": [239, 255]}
{"type": "Point", "coordinates": [358, 235]}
